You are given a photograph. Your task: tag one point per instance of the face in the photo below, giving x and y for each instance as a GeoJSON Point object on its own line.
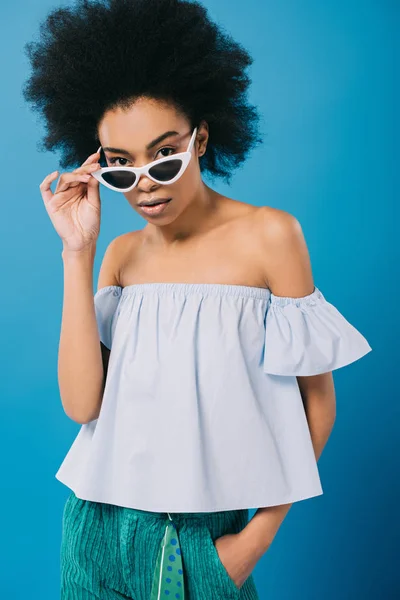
{"type": "Point", "coordinates": [128, 139]}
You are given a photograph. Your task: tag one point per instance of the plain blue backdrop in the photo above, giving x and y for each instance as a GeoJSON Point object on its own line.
{"type": "Point", "coordinates": [324, 79]}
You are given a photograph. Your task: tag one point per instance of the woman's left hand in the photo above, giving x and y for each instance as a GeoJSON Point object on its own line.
{"type": "Point", "coordinates": [237, 556]}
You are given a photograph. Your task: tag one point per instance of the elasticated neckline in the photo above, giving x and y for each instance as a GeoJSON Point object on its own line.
{"type": "Point", "coordinates": [185, 288]}
{"type": "Point", "coordinates": [218, 289]}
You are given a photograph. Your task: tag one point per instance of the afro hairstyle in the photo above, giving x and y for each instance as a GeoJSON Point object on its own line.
{"type": "Point", "coordinates": [103, 54]}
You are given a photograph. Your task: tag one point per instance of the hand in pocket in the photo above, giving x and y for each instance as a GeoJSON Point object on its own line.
{"type": "Point", "coordinates": [235, 556]}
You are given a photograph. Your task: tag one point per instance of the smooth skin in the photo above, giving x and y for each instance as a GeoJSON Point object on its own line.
{"type": "Point", "coordinates": [202, 236]}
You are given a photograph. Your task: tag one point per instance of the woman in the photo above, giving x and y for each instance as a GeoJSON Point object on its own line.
{"type": "Point", "coordinates": [193, 367]}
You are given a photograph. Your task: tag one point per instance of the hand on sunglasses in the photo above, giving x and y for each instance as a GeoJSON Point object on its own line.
{"type": "Point", "coordinates": [74, 208]}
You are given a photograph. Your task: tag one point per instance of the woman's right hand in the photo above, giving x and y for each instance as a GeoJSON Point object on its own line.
{"type": "Point", "coordinates": [74, 208]}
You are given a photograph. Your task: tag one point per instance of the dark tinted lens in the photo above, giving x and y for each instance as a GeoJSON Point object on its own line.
{"type": "Point", "coordinates": [119, 179]}
{"type": "Point", "coordinates": [166, 170]}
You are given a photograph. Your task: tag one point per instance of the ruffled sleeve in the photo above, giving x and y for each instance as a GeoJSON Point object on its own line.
{"type": "Point", "coordinates": [106, 301]}
{"type": "Point", "coordinates": [308, 335]}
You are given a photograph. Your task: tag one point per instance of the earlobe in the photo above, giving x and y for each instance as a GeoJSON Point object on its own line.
{"type": "Point", "coordinates": [200, 152]}
{"type": "Point", "coordinates": [201, 142]}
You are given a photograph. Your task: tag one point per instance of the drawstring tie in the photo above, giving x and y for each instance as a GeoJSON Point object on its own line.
{"type": "Point", "coordinates": [168, 573]}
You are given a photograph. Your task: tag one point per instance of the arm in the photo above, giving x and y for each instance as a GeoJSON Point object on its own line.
{"type": "Point", "coordinates": [109, 274]}
{"type": "Point", "coordinates": [82, 359]}
{"type": "Point", "coordinates": [288, 273]}
{"type": "Point", "coordinates": [319, 401]}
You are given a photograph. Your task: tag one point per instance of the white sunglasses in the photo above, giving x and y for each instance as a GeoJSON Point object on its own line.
{"type": "Point", "coordinates": [165, 170]}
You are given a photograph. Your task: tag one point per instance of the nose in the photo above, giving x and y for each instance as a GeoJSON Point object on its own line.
{"type": "Point", "coordinates": [145, 184]}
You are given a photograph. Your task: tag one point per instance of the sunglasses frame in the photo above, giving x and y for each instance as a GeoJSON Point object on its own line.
{"type": "Point", "coordinates": [184, 156]}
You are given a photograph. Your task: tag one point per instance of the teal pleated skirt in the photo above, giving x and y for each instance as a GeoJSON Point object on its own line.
{"type": "Point", "coordinates": [110, 552]}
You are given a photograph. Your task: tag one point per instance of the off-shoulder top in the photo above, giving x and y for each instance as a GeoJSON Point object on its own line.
{"type": "Point", "coordinates": [201, 409]}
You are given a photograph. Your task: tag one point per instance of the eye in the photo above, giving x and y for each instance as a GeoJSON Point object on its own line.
{"type": "Point", "coordinates": [113, 161]}
{"type": "Point", "coordinates": [164, 148]}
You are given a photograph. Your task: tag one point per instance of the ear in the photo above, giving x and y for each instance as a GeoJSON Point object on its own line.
{"type": "Point", "coordinates": [202, 137]}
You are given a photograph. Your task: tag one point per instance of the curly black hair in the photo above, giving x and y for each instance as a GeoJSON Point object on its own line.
{"type": "Point", "coordinates": [103, 54]}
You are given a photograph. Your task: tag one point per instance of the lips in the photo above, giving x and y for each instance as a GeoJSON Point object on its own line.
{"type": "Point", "coordinates": [155, 202]}
{"type": "Point", "coordinates": [156, 209]}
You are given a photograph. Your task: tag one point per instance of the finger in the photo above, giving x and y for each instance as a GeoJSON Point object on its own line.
{"type": "Point", "coordinates": [92, 191]}
{"type": "Point", "coordinates": [68, 180]}
{"type": "Point", "coordinates": [82, 179]}
{"type": "Point", "coordinates": [91, 158]}
{"type": "Point", "coordinates": [89, 168]}
{"type": "Point", "coordinates": [45, 186]}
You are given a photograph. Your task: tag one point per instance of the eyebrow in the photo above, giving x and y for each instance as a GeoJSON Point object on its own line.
{"type": "Point", "coordinates": [159, 139]}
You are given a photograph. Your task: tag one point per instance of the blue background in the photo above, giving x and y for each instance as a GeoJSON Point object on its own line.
{"type": "Point", "coordinates": [324, 80]}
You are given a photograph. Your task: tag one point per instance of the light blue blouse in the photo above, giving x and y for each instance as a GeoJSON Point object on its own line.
{"type": "Point", "coordinates": [211, 368]}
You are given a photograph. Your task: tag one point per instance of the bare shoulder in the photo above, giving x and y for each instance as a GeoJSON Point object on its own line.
{"type": "Point", "coordinates": [274, 225]}
{"type": "Point", "coordinates": [115, 256]}
{"type": "Point", "coordinates": [277, 226]}
{"type": "Point", "coordinates": [281, 243]}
